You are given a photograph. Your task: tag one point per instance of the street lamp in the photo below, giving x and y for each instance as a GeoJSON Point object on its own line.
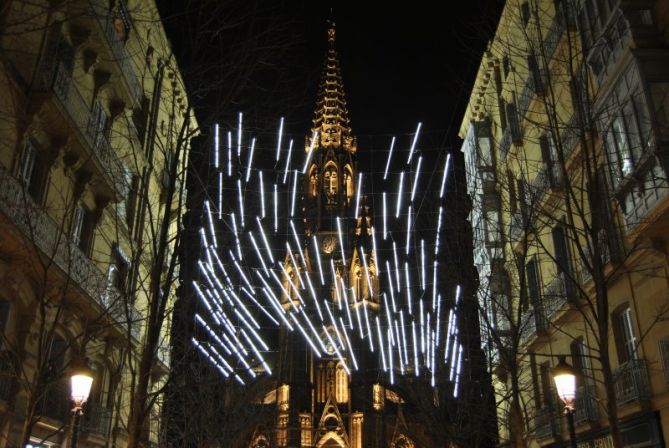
{"type": "Point", "coordinates": [81, 380]}
{"type": "Point", "coordinates": [565, 382]}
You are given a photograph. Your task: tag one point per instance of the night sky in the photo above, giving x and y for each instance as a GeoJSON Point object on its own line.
{"type": "Point", "coordinates": [401, 64]}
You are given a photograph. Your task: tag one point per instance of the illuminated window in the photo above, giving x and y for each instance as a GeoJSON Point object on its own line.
{"type": "Point", "coordinates": [342, 384]}
{"type": "Point", "coordinates": [330, 181]}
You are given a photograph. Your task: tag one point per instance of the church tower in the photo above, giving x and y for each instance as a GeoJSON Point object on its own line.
{"type": "Point", "coordinates": [322, 401]}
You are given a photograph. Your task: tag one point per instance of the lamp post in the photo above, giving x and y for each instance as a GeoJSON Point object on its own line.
{"type": "Point", "coordinates": [564, 376]}
{"type": "Point", "coordinates": [81, 380]}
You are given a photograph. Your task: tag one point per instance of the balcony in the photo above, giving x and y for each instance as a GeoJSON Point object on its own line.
{"type": "Point", "coordinates": [55, 402]}
{"type": "Point", "coordinates": [547, 423]}
{"type": "Point", "coordinates": [631, 382]}
{"type": "Point", "coordinates": [96, 420]}
{"type": "Point", "coordinates": [7, 376]}
{"type": "Point", "coordinates": [554, 34]}
{"type": "Point", "coordinates": [117, 48]}
{"type": "Point", "coordinates": [46, 235]}
{"type": "Point", "coordinates": [585, 409]}
{"type": "Point", "coordinates": [74, 108]}
{"type": "Point", "coordinates": [533, 323]}
{"type": "Point", "coordinates": [556, 295]}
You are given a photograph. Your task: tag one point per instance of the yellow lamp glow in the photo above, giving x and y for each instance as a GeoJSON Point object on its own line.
{"type": "Point", "coordinates": [564, 376]}
{"type": "Point", "coordinates": [81, 382]}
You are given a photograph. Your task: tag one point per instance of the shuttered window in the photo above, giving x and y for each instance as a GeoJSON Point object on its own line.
{"type": "Point", "coordinates": [624, 334]}
{"type": "Point", "coordinates": [663, 345]}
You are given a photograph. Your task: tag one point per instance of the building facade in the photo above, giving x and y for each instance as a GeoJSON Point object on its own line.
{"type": "Point", "coordinates": [565, 141]}
{"type": "Point", "coordinates": [91, 109]}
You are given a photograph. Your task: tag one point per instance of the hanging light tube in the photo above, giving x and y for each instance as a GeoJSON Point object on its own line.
{"type": "Point", "coordinates": [250, 162]}
{"type": "Point", "coordinates": [383, 351]}
{"type": "Point", "coordinates": [241, 202]}
{"type": "Point", "coordinates": [262, 194]}
{"type": "Point", "coordinates": [399, 195]}
{"type": "Point", "coordinates": [216, 145]}
{"type": "Point", "coordinates": [278, 140]}
{"type": "Point", "coordinates": [415, 179]}
{"type": "Point", "coordinates": [318, 258]}
{"type": "Point", "coordinates": [357, 195]}
{"type": "Point", "coordinates": [309, 154]}
{"type": "Point", "coordinates": [285, 170]}
{"type": "Point", "coordinates": [413, 143]}
{"type": "Point", "coordinates": [390, 156]}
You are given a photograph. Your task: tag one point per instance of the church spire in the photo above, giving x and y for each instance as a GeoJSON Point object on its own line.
{"type": "Point", "coordinates": [331, 123]}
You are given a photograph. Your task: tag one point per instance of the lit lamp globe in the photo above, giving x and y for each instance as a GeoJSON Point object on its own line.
{"type": "Point", "coordinates": [564, 376]}
{"type": "Point", "coordinates": [81, 381]}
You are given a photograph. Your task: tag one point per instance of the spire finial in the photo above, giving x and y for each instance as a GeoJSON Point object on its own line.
{"type": "Point", "coordinates": [331, 28]}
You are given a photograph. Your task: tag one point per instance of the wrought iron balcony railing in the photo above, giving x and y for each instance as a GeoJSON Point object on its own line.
{"type": "Point", "coordinates": [556, 295]}
{"type": "Point", "coordinates": [96, 420]}
{"type": "Point", "coordinates": [55, 401]}
{"type": "Point", "coordinates": [585, 409]}
{"type": "Point", "coordinates": [547, 422]}
{"type": "Point", "coordinates": [534, 323]}
{"type": "Point", "coordinates": [117, 47]}
{"type": "Point", "coordinates": [631, 381]}
{"type": "Point", "coordinates": [58, 80]}
{"type": "Point", "coordinates": [47, 236]}
{"type": "Point", "coordinates": [7, 376]}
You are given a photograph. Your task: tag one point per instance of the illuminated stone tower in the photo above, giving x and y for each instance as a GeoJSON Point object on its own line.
{"type": "Point", "coordinates": [320, 401]}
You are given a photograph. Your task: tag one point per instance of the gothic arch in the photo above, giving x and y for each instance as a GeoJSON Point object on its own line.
{"type": "Point", "coordinates": [331, 440]}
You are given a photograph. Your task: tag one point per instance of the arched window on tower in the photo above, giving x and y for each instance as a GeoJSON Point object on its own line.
{"type": "Point", "coordinates": [348, 182]}
{"type": "Point", "coordinates": [330, 183]}
{"type": "Point", "coordinates": [313, 182]}
{"type": "Point", "coordinates": [342, 384]}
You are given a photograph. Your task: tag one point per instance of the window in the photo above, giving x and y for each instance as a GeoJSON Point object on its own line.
{"type": "Point", "coordinates": [562, 259]}
{"type": "Point", "coordinates": [533, 285]}
{"type": "Point", "coordinates": [525, 13]}
{"type": "Point", "coordinates": [97, 125]}
{"type": "Point", "coordinates": [506, 66]}
{"type": "Point", "coordinates": [663, 346]}
{"type": "Point", "coordinates": [514, 124]}
{"type": "Point", "coordinates": [535, 381]}
{"type": "Point", "coordinates": [54, 403]}
{"type": "Point", "coordinates": [624, 334]}
{"type": "Point", "coordinates": [551, 159]}
{"type": "Point", "coordinates": [579, 98]}
{"type": "Point", "coordinates": [83, 228]}
{"type": "Point", "coordinates": [117, 277]}
{"type": "Point", "coordinates": [581, 362]}
{"type": "Point", "coordinates": [342, 384]}
{"type": "Point", "coordinates": [513, 198]}
{"type": "Point", "coordinates": [31, 171]}
{"type": "Point", "coordinates": [5, 307]}
{"type": "Point", "coordinates": [131, 200]}
{"type": "Point", "coordinates": [546, 378]}
{"type": "Point", "coordinates": [126, 207]}
{"type": "Point", "coordinates": [536, 76]}
{"type": "Point", "coordinates": [330, 181]}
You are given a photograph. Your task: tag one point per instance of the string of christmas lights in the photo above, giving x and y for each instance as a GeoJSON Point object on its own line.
{"type": "Point", "coordinates": [274, 274]}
